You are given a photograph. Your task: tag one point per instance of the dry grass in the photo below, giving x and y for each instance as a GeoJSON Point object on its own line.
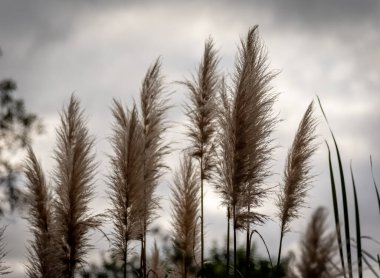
{"type": "Point", "coordinates": [153, 107]}
{"type": "Point", "coordinates": [297, 176]}
{"type": "Point", "coordinates": [185, 212]}
{"type": "Point", "coordinates": [202, 114]}
{"type": "Point", "coordinates": [246, 121]}
{"type": "Point", "coordinates": [318, 249]}
{"type": "Point", "coordinates": [73, 176]}
{"type": "Point", "coordinates": [42, 253]}
{"type": "Point", "coordinates": [126, 181]}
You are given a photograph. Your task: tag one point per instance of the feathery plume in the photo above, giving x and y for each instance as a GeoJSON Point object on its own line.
{"type": "Point", "coordinates": [297, 175]}
{"type": "Point", "coordinates": [153, 108]}
{"type": "Point", "coordinates": [246, 120]}
{"type": "Point", "coordinates": [126, 181]}
{"type": "Point", "coordinates": [4, 269]}
{"type": "Point", "coordinates": [202, 113]}
{"type": "Point", "coordinates": [74, 189]}
{"type": "Point", "coordinates": [318, 249]}
{"type": "Point", "coordinates": [224, 166]}
{"type": "Point", "coordinates": [185, 211]}
{"type": "Point", "coordinates": [41, 253]}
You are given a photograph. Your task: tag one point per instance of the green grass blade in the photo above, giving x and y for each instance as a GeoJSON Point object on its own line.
{"type": "Point", "coordinates": [358, 234]}
{"type": "Point", "coordinates": [344, 198]}
{"type": "Point", "coordinates": [336, 212]}
{"type": "Point", "coordinates": [374, 183]}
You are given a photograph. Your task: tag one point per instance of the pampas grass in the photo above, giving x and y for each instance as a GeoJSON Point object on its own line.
{"type": "Point", "coordinates": [41, 254]}
{"type": "Point", "coordinates": [318, 250]}
{"type": "Point", "coordinates": [246, 122]}
{"type": "Point", "coordinates": [202, 113]}
{"type": "Point", "coordinates": [297, 176]}
{"type": "Point", "coordinates": [126, 182]}
{"type": "Point", "coordinates": [185, 212]}
{"type": "Point", "coordinates": [153, 109]}
{"type": "Point", "coordinates": [73, 176]}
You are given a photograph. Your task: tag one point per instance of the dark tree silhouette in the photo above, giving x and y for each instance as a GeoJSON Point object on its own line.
{"type": "Point", "coordinates": [17, 126]}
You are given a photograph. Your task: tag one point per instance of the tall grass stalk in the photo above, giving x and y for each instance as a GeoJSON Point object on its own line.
{"type": "Point", "coordinates": [153, 109]}
{"type": "Point", "coordinates": [42, 250]}
{"type": "Point", "coordinates": [73, 176]}
{"type": "Point", "coordinates": [246, 122]}
{"type": "Point", "coordinates": [126, 181]}
{"type": "Point", "coordinates": [297, 176]}
{"type": "Point", "coordinates": [223, 180]}
{"type": "Point", "coordinates": [202, 112]}
{"type": "Point", "coordinates": [185, 212]}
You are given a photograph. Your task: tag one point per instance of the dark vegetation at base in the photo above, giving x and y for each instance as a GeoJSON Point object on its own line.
{"type": "Point", "coordinates": [215, 266]}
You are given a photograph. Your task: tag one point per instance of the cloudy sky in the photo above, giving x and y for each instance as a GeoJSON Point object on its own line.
{"type": "Point", "coordinates": [100, 50]}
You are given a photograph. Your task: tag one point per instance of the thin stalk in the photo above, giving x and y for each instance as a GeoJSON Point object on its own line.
{"type": "Point", "coordinates": [279, 249]}
{"type": "Point", "coordinates": [202, 216]}
{"type": "Point", "coordinates": [248, 248]}
{"type": "Point", "coordinates": [125, 264]}
{"type": "Point", "coordinates": [228, 241]}
{"type": "Point", "coordinates": [266, 247]}
{"type": "Point", "coordinates": [234, 220]}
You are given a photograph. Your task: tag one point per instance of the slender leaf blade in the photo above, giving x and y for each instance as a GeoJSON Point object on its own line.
{"type": "Point", "coordinates": [336, 212]}
{"type": "Point", "coordinates": [344, 197]}
{"type": "Point", "coordinates": [358, 233]}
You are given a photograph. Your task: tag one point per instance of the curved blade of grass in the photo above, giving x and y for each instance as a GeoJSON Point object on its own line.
{"type": "Point", "coordinates": [358, 234]}
{"type": "Point", "coordinates": [336, 212]}
{"type": "Point", "coordinates": [369, 255]}
{"type": "Point", "coordinates": [374, 183]}
{"type": "Point", "coordinates": [371, 239]}
{"type": "Point", "coordinates": [270, 259]}
{"type": "Point", "coordinates": [370, 267]}
{"type": "Point", "coordinates": [344, 197]}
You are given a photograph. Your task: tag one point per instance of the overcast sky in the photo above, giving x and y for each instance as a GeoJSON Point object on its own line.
{"type": "Point", "coordinates": [101, 50]}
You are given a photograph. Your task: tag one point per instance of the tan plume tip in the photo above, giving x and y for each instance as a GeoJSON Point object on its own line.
{"type": "Point", "coordinates": [153, 120]}
{"type": "Point", "coordinates": [247, 121]}
{"type": "Point", "coordinates": [297, 176]}
{"type": "Point", "coordinates": [201, 110]}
